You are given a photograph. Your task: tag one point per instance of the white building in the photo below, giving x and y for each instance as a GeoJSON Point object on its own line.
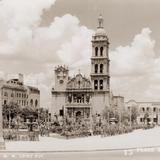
{"type": "Point", "coordinates": [150, 110]}
{"type": "Point", "coordinates": [81, 96]}
{"type": "Point", "coordinates": [15, 91]}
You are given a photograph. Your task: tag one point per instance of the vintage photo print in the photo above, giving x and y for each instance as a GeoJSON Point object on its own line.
{"type": "Point", "coordinates": [79, 79]}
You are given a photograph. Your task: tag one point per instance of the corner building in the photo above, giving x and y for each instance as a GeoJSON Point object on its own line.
{"type": "Point", "coordinates": [80, 96]}
{"type": "Point", "coordinates": [15, 91]}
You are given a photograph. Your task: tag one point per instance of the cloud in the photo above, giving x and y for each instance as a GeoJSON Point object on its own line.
{"type": "Point", "coordinates": [18, 18]}
{"type": "Point", "coordinates": [134, 59]}
{"type": "Point", "coordinates": [34, 50]}
{"type": "Point", "coordinates": [135, 69]}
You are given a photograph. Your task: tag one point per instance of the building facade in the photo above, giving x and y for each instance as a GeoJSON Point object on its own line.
{"type": "Point", "coordinates": [80, 96]}
{"type": "Point", "coordinates": [118, 103]}
{"type": "Point", "coordinates": [148, 112]}
{"type": "Point", "coordinates": [15, 91]}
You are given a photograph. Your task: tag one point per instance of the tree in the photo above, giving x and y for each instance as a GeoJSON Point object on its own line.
{"type": "Point", "coordinates": [109, 113]}
{"type": "Point", "coordinates": [125, 117]}
{"type": "Point", "coordinates": [10, 111]}
{"type": "Point", "coordinates": [43, 114]}
{"type": "Point", "coordinates": [29, 111]}
{"type": "Point", "coordinates": [134, 114]}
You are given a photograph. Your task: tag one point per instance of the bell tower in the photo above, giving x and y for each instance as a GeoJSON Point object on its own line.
{"type": "Point", "coordinates": [61, 78]}
{"type": "Point", "coordinates": [100, 77]}
{"type": "Point", "coordinates": [100, 60]}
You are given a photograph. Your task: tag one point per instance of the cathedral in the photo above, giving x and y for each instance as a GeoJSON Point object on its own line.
{"type": "Point", "coordinates": [82, 97]}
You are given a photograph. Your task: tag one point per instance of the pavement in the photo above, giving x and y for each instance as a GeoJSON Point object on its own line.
{"type": "Point", "coordinates": [132, 154]}
{"type": "Point", "coordinates": [136, 139]}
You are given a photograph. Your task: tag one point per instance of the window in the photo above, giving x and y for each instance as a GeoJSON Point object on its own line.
{"type": "Point", "coordinates": [36, 103]}
{"type": "Point", "coordinates": [108, 82]}
{"type": "Point", "coordinates": [154, 109]}
{"type": "Point", "coordinates": [155, 120]}
{"type": "Point", "coordinates": [96, 68]}
{"type": "Point", "coordinates": [12, 95]}
{"type": "Point", "coordinates": [96, 51]}
{"type": "Point", "coordinates": [95, 84]}
{"type": "Point", "coordinates": [101, 51]}
{"type": "Point", "coordinates": [6, 94]}
{"type": "Point", "coordinates": [61, 112]}
{"type": "Point", "coordinates": [101, 84]}
{"type": "Point", "coordinates": [101, 68]}
{"type": "Point", "coordinates": [31, 102]}
{"type": "Point", "coordinates": [141, 119]}
{"type": "Point", "coordinates": [143, 109]}
{"type": "Point", "coordinates": [5, 102]}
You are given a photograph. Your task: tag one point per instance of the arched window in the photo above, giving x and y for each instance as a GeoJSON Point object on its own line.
{"type": "Point", "coordinates": [101, 68]}
{"type": "Point", "coordinates": [96, 68]}
{"type": "Point", "coordinates": [5, 102]}
{"type": "Point", "coordinates": [154, 109]}
{"type": "Point", "coordinates": [31, 102]}
{"type": "Point", "coordinates": [101, 51]}
{"type": "Point", "coordinates": [143, 109]}
{"type": "Point", "coordinates": [101, 84]}
{"type": "Point", "coordinates": [95, 84]}
{"type": "Point", "coordinates": [108, 83]}
{"type": "Point", "coordinates": [96, 51]}
{"type": "Point", "coordinates": [36, 103]}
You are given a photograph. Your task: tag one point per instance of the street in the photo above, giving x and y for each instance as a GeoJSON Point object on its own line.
{"type": "Point", "coordinates": [138, 154]}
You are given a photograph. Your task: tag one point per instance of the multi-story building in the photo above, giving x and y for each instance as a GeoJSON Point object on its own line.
{"type": "Point", "coordinates": [81, 96]}
{"type": "Point", "coordinates": [147, 111]}
{"type": "Point", "coordinates": [15, 91]}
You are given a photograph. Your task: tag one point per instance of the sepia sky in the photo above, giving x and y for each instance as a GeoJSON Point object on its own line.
{"type": "Point", "coordinates": [37, 35]}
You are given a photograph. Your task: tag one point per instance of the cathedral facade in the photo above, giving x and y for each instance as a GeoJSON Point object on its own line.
{"type": "Point", "coordinates": [79, 96]}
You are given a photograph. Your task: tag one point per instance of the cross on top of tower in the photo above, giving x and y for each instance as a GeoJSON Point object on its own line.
{"type": "Point", "coordinates": [100, 21]}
